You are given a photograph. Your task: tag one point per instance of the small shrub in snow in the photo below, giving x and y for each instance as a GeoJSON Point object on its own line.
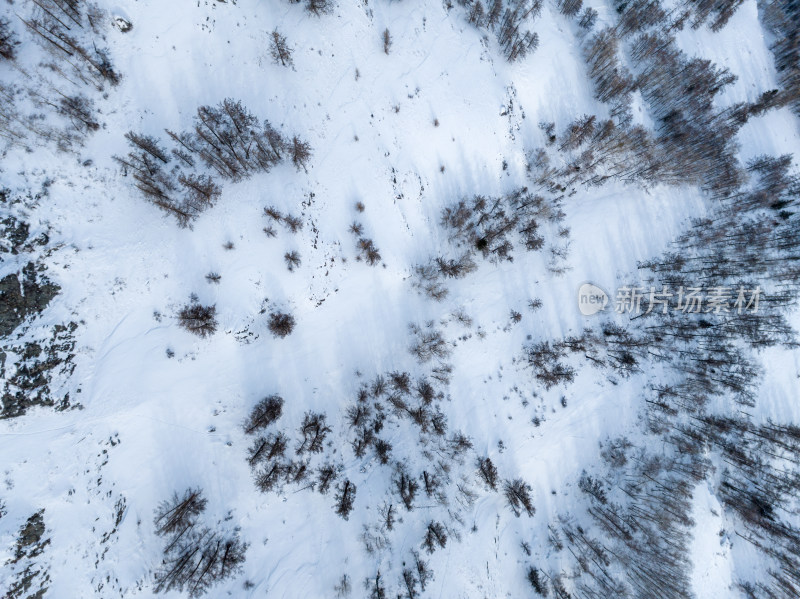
{"type": "Point", "coordinates": [368, 252]}
{"type": "Point", "coordinates": [293, 223]}
{"type": "Point", "coordinates": [343, 588]}
{"type": "Point", "coordinates": [387, 41]}
{"type": "Point", "coordinates": [281, 324]}
{"type": "Point", "coordinates": [292, 260]}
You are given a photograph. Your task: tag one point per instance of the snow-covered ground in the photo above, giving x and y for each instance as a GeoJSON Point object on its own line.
{"type": "Point", "coordinates": [149, 425]}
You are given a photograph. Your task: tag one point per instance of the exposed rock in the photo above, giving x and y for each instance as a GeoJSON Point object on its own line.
{"type": "Point", "coordinates": [30, 580]}
{"type": "Point", "coordinates": [34, 365]}
{"type": "Point", "coordinates": [21, 299]}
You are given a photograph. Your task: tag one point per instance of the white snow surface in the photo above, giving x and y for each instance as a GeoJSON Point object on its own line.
{"type": "Point", "coordinates": [176, 422]}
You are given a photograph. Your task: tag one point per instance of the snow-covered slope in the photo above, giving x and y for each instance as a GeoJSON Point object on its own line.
{"type": "Point", "coordinates": [155, 410]}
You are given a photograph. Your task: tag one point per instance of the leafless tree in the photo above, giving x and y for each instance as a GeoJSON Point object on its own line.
{"type": "Point", "coordinates": [264, 413]}
{"type": "Point", "coordinates": [280, 50]}
{"type": "Point", "coordinates": [518, 495]}
{"type": "Point", "coordinates": [435, 536]}
{"type": "Point", "coordinates": [8, 40]}
{"type": "Point", "coordinates": [197, 319]}
{"type": "Point", "coordinates": [488, 472]}
{"type": "Point", "coordinates": [292, 260]}
{"type": "Point", "coordinates": [313, 431]}
{"type": "Point", "coordinates": [345, 498]}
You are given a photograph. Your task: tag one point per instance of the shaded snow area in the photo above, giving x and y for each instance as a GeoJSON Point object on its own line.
{"type": "Point", "coordinates": [290, 299]}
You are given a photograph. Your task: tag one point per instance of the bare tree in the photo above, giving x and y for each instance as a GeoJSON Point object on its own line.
{"type": "Point", "coordinates": [319, 7]}
{"type": "Point", "coordinates": [518, 495]}
{"type": "Point", "coordinates": [300, 152]}
{"type": "Point", "coordinates": [8, 40]}
{"type": "Point", "coordinates": [313, 430]}
{"type": "Point", "coordinates": [180, 512]}
{"type": "Point", "coordinates": [345, 498]}
{"type": "Point", "coordinates": [570, 8]}
{"type": "Point", "coordinates": [195, 557]}
{"type": "Point", "coordinates": [539, 585]}
{"type": "Point", "coordinates": [406, 487]}
{"type": "Point", "coordinates": [197, 319]}
{"type": "Point", "coordinates": [265, 450]}
{"type": "Point", "coordinates": [435, 536]}
{"type": "Point", "coordinates": [264, 413]}
{"type": "Point", "coordinates": [588, 18]}
{"type": "Point", "coordinates": [326, 476]}
{"type": "Point", "coordinates": [292, 260]}
{"type": "Point", "coordinates": [488, 472]}
{"type": "Point", "coordinates": [78, 109]}
{"type": "Point", "coordinates": [387, 41]}
{"type": "Point", "coordinates": [280, 50]}
{"type": "Point", "coordinates": [368, 252]}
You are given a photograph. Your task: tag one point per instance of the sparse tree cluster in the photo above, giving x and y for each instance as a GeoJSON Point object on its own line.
{"type": "Point", "coordinates": [507, 20]}
{"type": "Point", "coordinates": [196, 558]}
{"type": "Point", "coordinates": [696, 141]}
{"type": "Point", "coordinates": [75, 68]}
{"type": "Point", "coordinates": [780, 17]}
{"type": "Point", "coordinates": [546, 361]}
{"type": "Point", "coordinates": [642, 522]}
{"type": "Point", "coordinates": [368, 252]}
{"type": "Point", "coordinates": [716, 14]}
{"type": "Point", "coordinates": [570, 8]}
{"type": "Point", "coordinates": [613, 81]}
{"type": "Point", "coordinates": [68, 30]}
{"type": "Point", "coordinates": [226, 139]}
{"type": "Point", "coordinates": [492, 225]}
{"type": "Point", "coordinates": [274, 465]}
{"type": "Point", "coordinates": [430, 277]}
